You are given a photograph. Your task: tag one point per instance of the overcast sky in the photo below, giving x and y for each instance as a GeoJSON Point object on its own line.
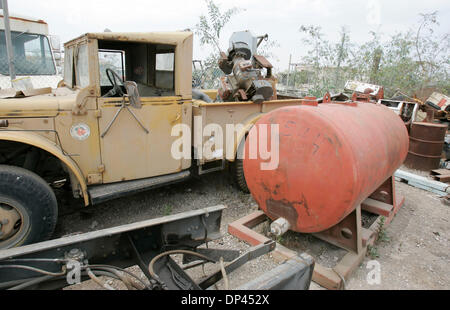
{"type": "Point", "coordinates": [280, 19]}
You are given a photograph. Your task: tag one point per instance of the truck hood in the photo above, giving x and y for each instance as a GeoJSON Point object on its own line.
{"type": "Point", "coordinates": [38, 81]}
{"type": "Point", "coordinates": [47, 105]}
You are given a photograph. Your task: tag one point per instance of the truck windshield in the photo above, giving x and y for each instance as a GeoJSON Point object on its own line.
{"type": "Point", "coordinates": [32, 54]}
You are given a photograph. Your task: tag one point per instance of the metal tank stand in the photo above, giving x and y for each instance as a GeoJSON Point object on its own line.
{"type": "Point", "coordinates": [348, 234]}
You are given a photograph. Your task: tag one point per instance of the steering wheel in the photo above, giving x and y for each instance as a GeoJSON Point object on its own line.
{"type": "Point", "coordinates": [114, 78]}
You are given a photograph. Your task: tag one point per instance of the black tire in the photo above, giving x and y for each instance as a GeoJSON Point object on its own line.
{"type": "Point", "coordinates": [238, 175]}
{"type": "Point", "coordinates": [25, 194]}
{"type": "Point", "coordinates": [237, 168]}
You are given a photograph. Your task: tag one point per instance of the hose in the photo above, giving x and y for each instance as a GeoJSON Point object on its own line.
{"type": "Point", "coordinates": [98, 281]}
{"type": "Point", "coordinates": [35, 281]}
{"type": "Point", "coordinates": [90, 270]}
{"type": "Point", "coordinates": [129, 284]}
{"type": "Point", "coordinates": [123, 270]}
{"type": "Point", "coordinates": [63, 272]}
{"type": "Point", "coordinates": [49, 260]}
{"type": "Point", "coordinates": [157, 257]}
{"type": "Point", "coordinates": [199, 95]}
{"type": "Point", "coordinates": [30, 283]}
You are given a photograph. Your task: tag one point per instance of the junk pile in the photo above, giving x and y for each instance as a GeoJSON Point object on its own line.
{"type": "Point", "coordinates": [244, 79]}
{"type": "Point", "coordinates": [426, 121]}
{"type": "Point", "coordinates": [428, 133]}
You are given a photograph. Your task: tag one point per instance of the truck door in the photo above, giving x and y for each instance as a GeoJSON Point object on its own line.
{"type": "Point", "coordinates": [136, 142]}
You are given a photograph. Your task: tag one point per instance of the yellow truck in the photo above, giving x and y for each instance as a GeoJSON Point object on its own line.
{"type": "Point", "coordinates": [114, 125]}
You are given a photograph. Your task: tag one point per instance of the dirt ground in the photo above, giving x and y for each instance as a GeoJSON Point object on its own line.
{"type": "Point", "coordinates": [415, 253]}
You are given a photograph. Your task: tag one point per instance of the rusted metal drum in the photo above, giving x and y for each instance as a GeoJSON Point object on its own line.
{"type": "Point", "coordinates": [331, 158]}
{"type": "Point", "coordinates": [426, 141]}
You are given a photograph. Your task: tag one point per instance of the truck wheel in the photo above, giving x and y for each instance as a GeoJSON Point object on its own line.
{"type": "Point", "coordinates": [238, 175]}
{"type": "Point", "coordinates": [28, 207]}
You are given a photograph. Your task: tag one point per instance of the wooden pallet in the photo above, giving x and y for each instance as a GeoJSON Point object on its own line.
{"type": "Point", "coordinates": [383, 202]}
{"type": "Point", "coordinates": [442, 175]}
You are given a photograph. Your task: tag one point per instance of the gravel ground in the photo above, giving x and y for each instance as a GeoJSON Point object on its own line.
{"type": "Point", "coordinates": [415, 256]}
{"type": "Point", "coordinates": [211, 190]}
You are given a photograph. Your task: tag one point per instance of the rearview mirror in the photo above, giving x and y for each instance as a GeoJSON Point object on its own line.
{"type": "Point", "coordinates": [133, 94]}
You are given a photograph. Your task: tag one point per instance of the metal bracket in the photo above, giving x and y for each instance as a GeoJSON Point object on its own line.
{"type": "Point", "coordinates": [124, 105]}
{"type": "Point", "coordinates": [253, 253]}
{"type": "Point", "coordinates": [346, 234]}
{"type": "Point", "coordinates": [213, 169]}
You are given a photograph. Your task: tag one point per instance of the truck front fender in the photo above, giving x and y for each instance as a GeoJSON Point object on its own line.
{"type": "Point", "coordinates": [40, 142]}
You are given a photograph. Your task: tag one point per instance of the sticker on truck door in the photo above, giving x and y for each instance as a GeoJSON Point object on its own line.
{"type": "Point", "coordinates": [80, 131]}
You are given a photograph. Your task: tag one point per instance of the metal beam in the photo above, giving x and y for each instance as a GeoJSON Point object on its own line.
{"type": "Point", "coordinates": [9, 48]}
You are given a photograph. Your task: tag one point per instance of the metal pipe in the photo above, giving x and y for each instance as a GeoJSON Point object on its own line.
{"type": "Point", "coordinates": [289, 70]}
{"type": "Point", "coordinates": [9, 49]}
{"type": "Point", "coordinates": [279, 227]}
{"type": "Point", "coordinates": [261, 38]}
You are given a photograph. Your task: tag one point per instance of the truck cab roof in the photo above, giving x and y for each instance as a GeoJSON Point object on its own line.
{"type": "Point", "coordinates": [22, 23]}
{"type": "Point", "coordinates": [159, 62]}
{"type": "Point", "coordinates": [168, 37]}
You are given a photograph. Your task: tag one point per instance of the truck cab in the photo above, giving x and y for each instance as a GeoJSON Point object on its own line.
{"type": "Point", "coordinates": [159, 66]}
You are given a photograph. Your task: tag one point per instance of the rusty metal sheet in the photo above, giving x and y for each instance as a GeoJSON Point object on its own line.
{"type": "Point", "coordinates": [440, 100]}
{"type": "Point", "coordinates": [263, 61]}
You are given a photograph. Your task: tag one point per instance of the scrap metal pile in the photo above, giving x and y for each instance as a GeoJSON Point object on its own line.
{"type": "Point", "coordinates": [426, 120]}
{"type": "Point", "coordinates": [244, 80]}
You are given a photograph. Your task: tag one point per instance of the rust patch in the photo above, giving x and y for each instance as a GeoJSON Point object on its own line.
{"type": "Point", "coordinates": [316, 148]}
{"type": "Point", "coordinates": [305, 204]}
{"type": "Point", "coordinates": [275, 191]}
{"type": "Point", "coordinates": [282, 208]}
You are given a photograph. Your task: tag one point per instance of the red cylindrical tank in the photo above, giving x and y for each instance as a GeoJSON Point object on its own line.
{"type": "Point", "coordinates": [331, 157]}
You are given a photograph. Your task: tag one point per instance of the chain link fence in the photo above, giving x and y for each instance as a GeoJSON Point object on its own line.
{"type": "Point", "coordinates": [208, 77]}
{"type": "Point", "coordinates": [205, 77]}
{"type": "Point", "coordinates": [34, 60]}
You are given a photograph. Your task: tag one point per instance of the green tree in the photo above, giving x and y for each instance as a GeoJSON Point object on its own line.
{"type": "Point", "coordinates": [209, 28]}
{"type": "Point", "coordinates": [409, 61]}
{"type": "Point", "coordinates": [329, 62]}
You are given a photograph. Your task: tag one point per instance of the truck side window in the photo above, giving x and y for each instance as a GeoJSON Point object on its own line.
{"type": "Point", "coordinates": [150, 66]}
{"type": "Point", "coordinates": [82, 66]}
{"type": "Point", "coordinates": [164, 70]}
{"type": "Point", "coordinates": [68, 67]}
{"type": "Point", "coordinates": [111, 59]}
